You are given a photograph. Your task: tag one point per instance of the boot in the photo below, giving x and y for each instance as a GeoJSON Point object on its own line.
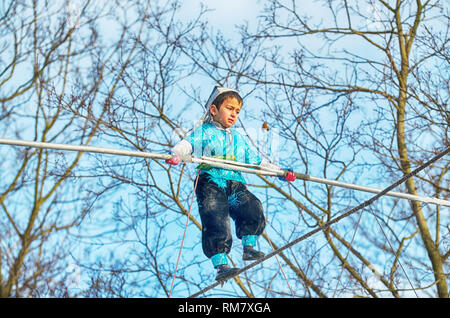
{"type": "Point", "coordinates": [250, 254]}
{"type": "Point", "coordinates": [225, 272]}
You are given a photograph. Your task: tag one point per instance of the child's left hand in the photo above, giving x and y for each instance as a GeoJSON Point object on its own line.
{"type": "Point", "coordinates": [289, 176]}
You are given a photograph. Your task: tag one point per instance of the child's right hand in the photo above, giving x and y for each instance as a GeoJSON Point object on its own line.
{"type": "Point", "coordinates": [174, 160]}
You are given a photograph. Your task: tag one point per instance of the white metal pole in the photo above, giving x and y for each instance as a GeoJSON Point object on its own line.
{"type": "Point", "coordinates": [375, 190]}
{"type": "Point", "coordinates": [342, 184]}
{"type": "Point", "coordinates": [110, 151]}
{"type": "Point", "coordinates": [226, 164]}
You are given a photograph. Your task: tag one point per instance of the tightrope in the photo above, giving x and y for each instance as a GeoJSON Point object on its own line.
{"type": "Point", "coordinates": [331, 222]}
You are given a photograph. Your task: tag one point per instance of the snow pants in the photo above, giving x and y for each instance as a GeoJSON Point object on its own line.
{"type": "Point", "coordinates": [217, 204]}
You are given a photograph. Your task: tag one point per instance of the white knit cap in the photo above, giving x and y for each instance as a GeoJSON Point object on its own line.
{"type": "Point", "coordinates": [207, 118]}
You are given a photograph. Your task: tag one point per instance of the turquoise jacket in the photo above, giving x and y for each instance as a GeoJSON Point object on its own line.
{"type": "Point", "coordinates": [213, 141]}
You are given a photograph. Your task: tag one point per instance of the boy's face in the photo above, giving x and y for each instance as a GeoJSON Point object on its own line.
{"type": "Point", "coordinates": [228, 112]}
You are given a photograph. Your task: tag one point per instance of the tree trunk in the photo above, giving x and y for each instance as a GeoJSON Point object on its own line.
{"type": "Point", "coordinates": [430, 246]}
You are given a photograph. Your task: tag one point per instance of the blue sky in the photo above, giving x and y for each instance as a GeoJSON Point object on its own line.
{"type": "Point", "coordinates": [226, 15]}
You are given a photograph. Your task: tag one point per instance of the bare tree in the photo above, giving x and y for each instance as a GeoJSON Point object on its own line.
{"type": "Point", "coordinates": [54, 59]}
{"type": "Point", "coordinates": [357, 93]}
{"type": "Point", "coordinates": [380, 64]}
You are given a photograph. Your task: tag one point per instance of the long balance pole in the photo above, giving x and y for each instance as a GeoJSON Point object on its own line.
{"type": "Point", "coordinates": [226, 164]}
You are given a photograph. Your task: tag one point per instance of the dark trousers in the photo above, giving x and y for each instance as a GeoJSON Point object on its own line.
{"type": "Point", "coordinates": [216, 206]}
